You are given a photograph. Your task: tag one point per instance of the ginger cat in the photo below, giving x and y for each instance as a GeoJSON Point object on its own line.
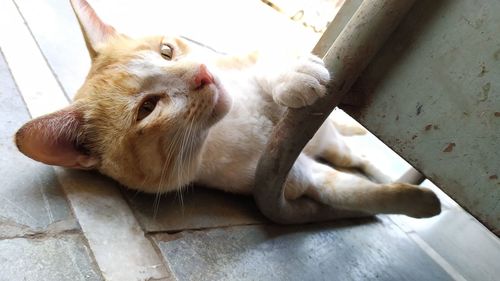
{"type": "Point", "coordinates": [157, 114]}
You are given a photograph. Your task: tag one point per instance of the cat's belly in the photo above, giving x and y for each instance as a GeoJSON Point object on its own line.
{"type": "Point", "coordinates": [230, 176]}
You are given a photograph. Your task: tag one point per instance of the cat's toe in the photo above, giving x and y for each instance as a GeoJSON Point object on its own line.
{"type": "Point", "coordinates": [298, 90]}
{"type": "Point", "coordinates": [304, 84]}
{"type": "Point", "coordinates": [313, 66]}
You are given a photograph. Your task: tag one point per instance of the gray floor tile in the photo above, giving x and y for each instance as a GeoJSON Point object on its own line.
{"type": "Point", "coordinates": [30, 196]}
{"type": "Point", "coordinates": [198, 208]}
{"type": "Point", "coordinates": [58, 258]}
{"type": "Point", "coordinates": [355, 250]}
{"type": "Point", "coordinates": [39, 237]}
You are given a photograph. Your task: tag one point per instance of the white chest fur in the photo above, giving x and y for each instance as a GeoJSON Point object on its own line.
{"type": "Point", "coordinates": [235, 144]}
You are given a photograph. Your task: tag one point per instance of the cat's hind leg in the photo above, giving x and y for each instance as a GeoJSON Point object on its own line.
{"type": "Point", "coordinates": [329, 145]}
{"type": "Point", "coordinates": [350, 192]}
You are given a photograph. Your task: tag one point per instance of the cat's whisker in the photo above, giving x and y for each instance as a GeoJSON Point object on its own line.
{"type": "Point", "coordinates": [181, 199]}
{"type": "Point", "coordinates": [182, 170]}
{"type": "Point", "coordinates": [190, 149]}
{"type": "Point", "coordinates": [169, 150]}
{"type": "Point", "coordinates": [182, 167]}
{"type": "Point", "coordinates": [156, 205]}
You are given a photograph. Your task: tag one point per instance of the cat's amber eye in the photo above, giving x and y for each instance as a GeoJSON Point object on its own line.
{"type": "Point", "coordinates": [148, 105]}
{"type": "Point", "coordinates": [167, 51]}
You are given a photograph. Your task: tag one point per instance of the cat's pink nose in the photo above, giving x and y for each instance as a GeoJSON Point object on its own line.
{"type": "Point", "coordinates": [203, 77]}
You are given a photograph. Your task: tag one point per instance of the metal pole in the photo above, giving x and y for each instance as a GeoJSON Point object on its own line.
{"type": "Point", "coordinates": [362, 37]}
{"type": "Point", "coordinates": [333, 30]}
{"type": "Point", "coordinates": [412, 176]}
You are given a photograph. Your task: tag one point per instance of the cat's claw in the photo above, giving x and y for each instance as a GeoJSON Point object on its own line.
{"type": "Point", "coordinates": [303, 84]}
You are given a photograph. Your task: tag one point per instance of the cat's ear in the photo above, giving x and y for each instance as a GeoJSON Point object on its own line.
{"type": "Point", "coordinates": [53, 139]}
{"type": "Point", "coordinates": [94, 30]}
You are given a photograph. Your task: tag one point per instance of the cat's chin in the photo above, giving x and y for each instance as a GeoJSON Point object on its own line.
{"type": "Point", "coordinates": [221, 103]}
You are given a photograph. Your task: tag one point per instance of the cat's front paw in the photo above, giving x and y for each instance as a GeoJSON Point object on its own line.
{"type": "Point", "coordinates": [303, 84]}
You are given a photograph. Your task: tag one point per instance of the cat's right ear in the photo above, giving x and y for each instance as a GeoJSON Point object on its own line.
{"type": "Point", "coordinates": [94, 30]}
{"type": "Point", "coordinates": [55, 138]}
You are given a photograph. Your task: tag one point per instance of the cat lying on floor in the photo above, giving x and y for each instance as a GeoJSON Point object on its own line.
{"type": "Point", "coordinates": [156, 115]}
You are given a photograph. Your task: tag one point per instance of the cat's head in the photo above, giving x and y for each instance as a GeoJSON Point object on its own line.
{"type": "Point", "coordinates": [141, 116]}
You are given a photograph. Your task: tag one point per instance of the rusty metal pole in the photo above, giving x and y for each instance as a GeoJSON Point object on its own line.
{"type": "Point", "coordinates": [360, 40]}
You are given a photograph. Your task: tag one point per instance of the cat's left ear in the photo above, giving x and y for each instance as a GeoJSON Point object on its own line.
{"type": "Point", "coordinates": [95, 31]}
{"type": "Point", "coordinates": [54, 139]}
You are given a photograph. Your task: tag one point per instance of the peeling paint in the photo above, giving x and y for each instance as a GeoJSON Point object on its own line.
{"type": "Point", "coordinates": [449, 147]}
{"type": "Point", "coordinates": [431, 126]}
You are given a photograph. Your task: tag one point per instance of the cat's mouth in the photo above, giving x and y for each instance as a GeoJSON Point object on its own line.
{"type": "Point", "coordinates": [220, 101]}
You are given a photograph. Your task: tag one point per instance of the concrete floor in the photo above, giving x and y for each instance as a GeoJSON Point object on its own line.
{"type": "Point", "coordinates": [57, 224]}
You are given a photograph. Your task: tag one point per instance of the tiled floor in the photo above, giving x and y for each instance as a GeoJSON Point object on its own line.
{"type": "Point", "coordinates": [39, 236]}
{"type": "Point", "coordinates": [71, 225]}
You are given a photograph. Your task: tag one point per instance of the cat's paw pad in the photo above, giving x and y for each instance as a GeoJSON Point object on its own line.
{"type": "Point", "coordinates": [303, 84]}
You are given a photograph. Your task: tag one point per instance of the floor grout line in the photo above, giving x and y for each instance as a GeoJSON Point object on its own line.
{"type": "Point", "coordinates": [41, 52]}
{"type": "Point", "coordinates": [29, 69]}
{"type": "Point", "coordinates": [15, 83]}
{"type": "Point", "coordinates": [110, 226]}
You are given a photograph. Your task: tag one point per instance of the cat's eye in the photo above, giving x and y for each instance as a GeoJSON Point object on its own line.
{"type": "Point", "coordinates": [167, 51]}
{"type": "Point", "coordinates": [148, 105]}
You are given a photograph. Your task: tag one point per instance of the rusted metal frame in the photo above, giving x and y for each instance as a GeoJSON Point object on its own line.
{"type": "Point", "coordinates": [362, 37]}
{"type": "Point", "coordinates": [343, 16]}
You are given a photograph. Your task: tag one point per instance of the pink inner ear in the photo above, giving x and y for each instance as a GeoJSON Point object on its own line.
{"type": "Point", "coordinates": [51, 139]}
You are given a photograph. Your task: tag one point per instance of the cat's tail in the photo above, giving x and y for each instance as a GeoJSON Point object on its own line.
{"type": "Point", "coordinates": [348, 128]}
